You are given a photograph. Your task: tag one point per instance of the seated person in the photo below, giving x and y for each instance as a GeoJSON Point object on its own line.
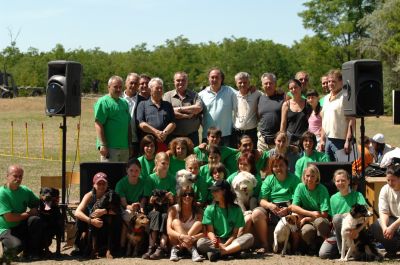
{"type": "Point", "coordinates": [379, 148]}
{"type": "Point", "coordinates": [311, 203]}
{"type": "Point", "coordinates": [20, 225]}
{"type": "Point", "coordinates": [275, 196]}
{"type": "Point", "coordinates": [148, 147]}
{"type": "Point", "coordinates": [94, 221]}
{"type": "Point", "coordinates": [386, 229]}
{"type": "Point", "coordinates": [179, 149]}
{"type": "Point", "coordinates": [223, 219]}
{"type": "Point", "coordinates": [184, 226]}
{"type": "Point", "coordinates": [388, 158]}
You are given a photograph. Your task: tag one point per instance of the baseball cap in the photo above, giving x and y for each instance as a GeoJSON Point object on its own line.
{"type": "Point", "coordinates": [379, 138]}
{"type": "Point", "coordinates": [220, 185]}
{"type": "Point", "coordinates": [100, 176]}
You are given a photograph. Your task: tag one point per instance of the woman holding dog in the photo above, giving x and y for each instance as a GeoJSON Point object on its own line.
{"type": "Point", "coordinates": [341, 203]}
{"type": "Point", "coordinates": [276, 194]}
{"type": "Point", "coordinates": [222, 220]}
{"type": "Point", "coordinates": [89, 219]}
{"type": "Point", "coordinates": [184, 226]}
{"type": "Point", "coordinates": [311, 203]}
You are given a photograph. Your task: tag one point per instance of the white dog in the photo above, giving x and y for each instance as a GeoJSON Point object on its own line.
{"type": "Point", "coordinates": [184, 179]}
{"type": "Point", "coordinates": [282, 231]}
{"type": "Point", "coordinates": [351, 221]}
{"type": "Point", "coordinates": [243, 185]}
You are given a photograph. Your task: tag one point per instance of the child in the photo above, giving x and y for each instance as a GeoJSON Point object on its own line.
{"type": "Point", "coordinates": [193, 166]}
{"type": "Point", "coordinates": [164, 183]}
{"type": "Point", "coordinates": [218, 172]}
{"type": "Point", "coordinates": [148, 148]}
{"type": "Point", "coordinates": [179, 149]}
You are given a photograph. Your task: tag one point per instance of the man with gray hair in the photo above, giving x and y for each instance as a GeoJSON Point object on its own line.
{"type": "Point", "coordinates": [244, 110]}
{"type": "Point", "coordinates": [156, 116]}
{"type": "Point", "coordinates": [112, 123]}
{"type": "Point", "coordinates": [187, 108]}
{"type": "Point", "coordinates": [269, 112]}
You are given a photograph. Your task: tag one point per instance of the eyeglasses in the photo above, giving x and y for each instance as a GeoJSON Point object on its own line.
{"type": "Point", "coordinates": [190, 194]}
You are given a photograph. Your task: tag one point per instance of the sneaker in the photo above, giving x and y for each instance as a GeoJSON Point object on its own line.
{"type": "Point", "coordinates": [213, 255]}
{"type": "Point", "coordinates": [196, 256]}
{"type": "Point", "coordinates": [174, 254]}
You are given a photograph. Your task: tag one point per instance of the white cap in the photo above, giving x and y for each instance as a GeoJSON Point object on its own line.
{"type": "Point", "coordinates": [379, 138]}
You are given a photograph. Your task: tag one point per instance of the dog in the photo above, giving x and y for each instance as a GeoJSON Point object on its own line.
{"type": "Point", "coordinates": [184, 180]}
{"type": "Point", "coordinates": [110, 201]}
{"type": "Point", "coordinates": [137, 236]}
{"type": "Point", "coordinates": [282, 231]}
{"type": "Point", "coordinates": [243, 185]}
{"type": "Point", "coordinates": [50, 214]}
{"type": "Point", "coordinates": [352, 220]}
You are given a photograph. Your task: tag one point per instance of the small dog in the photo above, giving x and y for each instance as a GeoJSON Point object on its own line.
{"type": "Point", "coordinates": [243, 185]}
{"type": "Point", "coordinates": [111, 202]}
{"type": "Point", "coordinates": [137, 235]}
{"type": "Point", "coordinates": [282, 232]}
{"type": "Point", "coordinates": [352, 220]}
{"type": "Point", "coordinates": [184, 179]}
{"type": "Point", "coordinates": [50, 214]}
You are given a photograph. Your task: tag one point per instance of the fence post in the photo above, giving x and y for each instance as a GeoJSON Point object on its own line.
{"type": "Point", "coordinates": [43, 141]}
{"type": "Point", "coordinates": [27, 140]}
{"type": "Point", "coordinates": [78, 155]}
{"type": "Point", "coordinates": [12, 138]}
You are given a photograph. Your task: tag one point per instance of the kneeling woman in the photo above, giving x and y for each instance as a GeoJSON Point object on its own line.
{"type": "Point", "coordinates": [105, 224]}
{"type": "Point", "coordinates": [184, 226]}
{"type": "Point", "coordinates": [223, 219]}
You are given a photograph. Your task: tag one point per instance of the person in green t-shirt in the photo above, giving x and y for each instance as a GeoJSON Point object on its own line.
{"type": "Point", "coordinates": [160, 183]}
{"type": "Point", "coordinates": [20, 225]}
{"type": "Point", "coordinates": [275, 195]}
{"type": "Point", "coordinates": [148, 147]}
{"type": "Point", "coordinates": [179, 149]}
{"type": "Point", "coordinates": [223, 219]}
{"type": "Point", "coordinates": [193, 166]}
{"type": "Point", "coordinates": [308, 142]}
{"type": "Point", "coordinates": [113, 124]}
{"type": "Point", "coordinates": [311, 203]}
{"type": "Point", "coordinates": [341, 203]}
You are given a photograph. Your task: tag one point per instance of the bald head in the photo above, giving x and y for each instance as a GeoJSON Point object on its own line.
{"type": "Point", "coordinates": [15, 174]}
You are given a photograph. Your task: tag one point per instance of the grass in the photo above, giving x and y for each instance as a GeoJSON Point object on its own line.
{"type": "Point", "coordinates": [30, 110]}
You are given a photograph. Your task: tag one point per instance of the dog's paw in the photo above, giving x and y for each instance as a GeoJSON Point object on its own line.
{"type": "Point", "coordinates": [275, 248]}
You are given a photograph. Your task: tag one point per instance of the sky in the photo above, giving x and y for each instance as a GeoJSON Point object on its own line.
{"type": "Point", "coordinates": [120, 25]}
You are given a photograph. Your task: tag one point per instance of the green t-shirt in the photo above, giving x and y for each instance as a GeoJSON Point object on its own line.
{"type": "Point", "coordinates": [223, 220]}
{"type": "Point", "coordinates": [147, 166]}
{"type": "Point", "coordinates": [257, 188]}
{"type": "Point", "coordinates": [175, 165]}
{"type": "Point", "coordinates": [114, 115]}
{"type": "Point", "coordinates": [168, 183]}
{"type": "Point", "coordinates": [227, 156]}
{"type": "Point", "coordinates": [131, 192]}
{"type": "Point", "coordinates": [202, 184]}
{"type": "Point", "coordinates": [302, 163]}
{"type": "Point", "coordinates": [342, 204]}
{"type": "Point", "coordinates": [315, 200]}
{"type": "Point", "coordinates": [276, 191]}
{"type": "Point", "coordinates": [15, 201]}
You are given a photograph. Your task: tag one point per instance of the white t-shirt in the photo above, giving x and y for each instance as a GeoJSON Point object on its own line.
{"type": "Point", "coordinates": [389, 201]}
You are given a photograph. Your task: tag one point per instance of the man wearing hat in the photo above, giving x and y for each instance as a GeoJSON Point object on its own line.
{"type": "Point", "coordinates": [378, 147]}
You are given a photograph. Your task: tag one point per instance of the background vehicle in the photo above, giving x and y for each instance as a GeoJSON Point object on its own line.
{"type": "Point", "coordinates": [8, 88]}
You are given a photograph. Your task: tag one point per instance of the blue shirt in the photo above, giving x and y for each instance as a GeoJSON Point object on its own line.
{"type": "Point", "coordinates": [158, 118]}
{"type": "Point", "coordinates": [218, 109]}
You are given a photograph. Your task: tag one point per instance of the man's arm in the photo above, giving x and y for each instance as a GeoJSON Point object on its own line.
{"type": "Point", "coordinates": [349, 133]}
{"type": "Point", "coordinates": [100, 135]}
{"type": "Point", "coordinates": [16, 217]}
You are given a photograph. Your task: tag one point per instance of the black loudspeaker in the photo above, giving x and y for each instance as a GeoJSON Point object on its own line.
{"type": "Point", "coordinates": [363, 88]}
{"type": "Point", "coordinates": [114, 171]}
{"type": "Point", "coordinates": [63, 93]}
{"type": "Point", "coordinates": [396, 106]}
{"type": "Point", "coordinates": [327, 169]}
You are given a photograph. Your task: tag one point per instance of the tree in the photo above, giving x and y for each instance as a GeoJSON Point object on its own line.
{"type": "Point", "coordinates": [337, 21]}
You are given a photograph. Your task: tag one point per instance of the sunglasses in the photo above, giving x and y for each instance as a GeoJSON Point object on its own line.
{"type": "Point", "coordinates": [190, 194]}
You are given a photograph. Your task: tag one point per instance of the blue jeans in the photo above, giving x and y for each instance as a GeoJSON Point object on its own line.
{"type": "Point", "coordinates": [332, 145]}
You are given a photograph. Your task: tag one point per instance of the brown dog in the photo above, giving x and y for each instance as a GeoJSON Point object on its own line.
{"type": "Point", "coordinates": [137, 236]}
{"type": "Point", "coordinates": [282, 232]}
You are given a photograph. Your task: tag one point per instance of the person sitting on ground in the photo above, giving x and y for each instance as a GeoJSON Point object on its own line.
{"type": "Point", "coordinates": [179, 149]}
{"type": "Point", "coordinates": [311, 203]}
{"type": "Point", "coordinates": [386, 229]}
{"type": "Point", "coordinates": [20, 225]}
{"type": "Point", "coordinates": [223, 219]}
{"type": "Point", "coordinates": [184, 226]}
{"type": "Point", "coordinates": [148, 148]}
{"type": "Point", "coordinates": [275, 196]}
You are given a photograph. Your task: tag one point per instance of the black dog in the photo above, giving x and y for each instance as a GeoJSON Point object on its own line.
{"type": "Point", "coordinates": [112, 203]}
{"type": "Point", "coordinates": [50, 214]}
{"type": "Point", "coordinates": [161, 200]}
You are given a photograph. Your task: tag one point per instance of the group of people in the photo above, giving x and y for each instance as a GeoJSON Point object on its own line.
{"type": "Point", "coordinates": [270, 134]}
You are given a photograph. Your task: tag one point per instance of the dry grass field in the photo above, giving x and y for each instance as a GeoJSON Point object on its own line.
{"type": "Point", "coordinates": [31, 111]}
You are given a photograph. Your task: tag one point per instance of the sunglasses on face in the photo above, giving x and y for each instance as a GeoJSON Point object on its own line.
{"type": "Point", "coordinates": [190, 194]}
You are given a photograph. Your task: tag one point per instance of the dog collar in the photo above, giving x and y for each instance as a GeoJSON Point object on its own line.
{"type": "Point", "coordinates": [137, 230]}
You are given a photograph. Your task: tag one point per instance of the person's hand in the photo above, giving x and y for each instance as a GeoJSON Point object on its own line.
{"type": "Point", "coordinates": [273, 208]}
{"type": "Point", "coordinates": [347, 146]}
{"type": "Point", "coordinates": [306, 220]}
{"type": "Point", "coordinates": [282, 211]}
{"type": "Point", "coordinates": [389, 232]}
{"type": "Point", "coordinates": [153, 199]}
{"type": "Point", "coordinates": [98, 213]}
{"type": "Point", "coordinates": [103, 151]}
{"type": "Point", "coordinates": [159, 135]}
{"type": "Point", "coordinates": [203, 146]}
{"type": "Point", "coordinates": [322, 145]}
{"type": "Point", "coordinates": [135, 206]}
{"type": "Point", "coordinates": [215, 242]}
{"type": "Point", "coordinates": [96, 222]}
{"type": "Point", "coordinates": [353, 234]}
{"type": "Point", "coordinates": [316, 214]}
{"type": "Point", "coordinates": [33, 212]}
{"type": "Point", "coordinates": [170, 196]}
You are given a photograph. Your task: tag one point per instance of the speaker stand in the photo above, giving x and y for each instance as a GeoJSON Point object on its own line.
{"type": "Point", "coordinates": [362, 182]}
{"type": "Point", "coordinates": [63, 167]}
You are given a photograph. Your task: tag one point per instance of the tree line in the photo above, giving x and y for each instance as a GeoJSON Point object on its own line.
{"type": "Point", "coordinates": [344, 30]}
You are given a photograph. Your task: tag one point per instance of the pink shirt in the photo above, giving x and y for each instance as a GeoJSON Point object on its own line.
{"type": "Point", "coordinates": [315, 124]}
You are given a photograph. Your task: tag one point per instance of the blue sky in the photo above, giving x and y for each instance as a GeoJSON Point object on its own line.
{"type": "Point", "coordinates": [119, 25]}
